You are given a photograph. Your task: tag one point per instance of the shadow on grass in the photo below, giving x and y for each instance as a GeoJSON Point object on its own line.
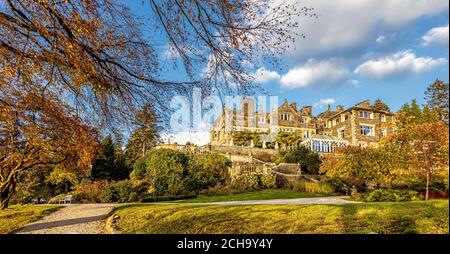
{"type": "Point", "coordinates": [358, 218]}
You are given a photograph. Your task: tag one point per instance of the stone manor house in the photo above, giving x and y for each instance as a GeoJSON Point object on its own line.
{"type": "Point", "coordinates": [360, 125]}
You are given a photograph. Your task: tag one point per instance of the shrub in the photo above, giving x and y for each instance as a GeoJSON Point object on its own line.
{"type": "Point", "coordinates": [205, 171]}
{"type": "Point", "coordinates": [268, 181]}
{"type": "Point", "coordinates": [282, 182]}
{"type": "Point", "coordinates": [88, 191]}
{"type": "Point", "coordinates": [253, 181]}
{"type": "Point", "coordinates": [220, 189]}
{"type": "Point", "coordinates": [246, 182]}
{"type": "Point", "coordinates": [309, 160]}
{"type": "Point", "coordinates": [121, 191]}
{"type": "Point", "coordinates": [313, 187]}
{"type": "Point", "coordinates": [384, 195]}
{"type": "Point", "coordinates": [334, 182]}
{"type": "Point", "coordinates": [163, 171]}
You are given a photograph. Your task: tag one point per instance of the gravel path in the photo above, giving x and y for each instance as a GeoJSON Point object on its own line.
{"type": "Point", "coordinates": [292, 201]}
{"type": "Point", "coordinates": [72, 219]}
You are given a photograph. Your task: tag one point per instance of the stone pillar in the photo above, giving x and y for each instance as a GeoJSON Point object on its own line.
{"type": "Point", "coordinates": [264, 145]}
{"type": "Point", "coordinates": [276, 145]}
{"type": "Point", "coordinates": [252, 144]}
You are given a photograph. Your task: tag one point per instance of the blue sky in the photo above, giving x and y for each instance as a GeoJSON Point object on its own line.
{"type": "Point", "coordinates": [359, 50]}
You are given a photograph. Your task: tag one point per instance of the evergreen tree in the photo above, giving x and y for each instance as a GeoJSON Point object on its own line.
{"type": "Point", "coordinates": [415, 115]}
{"type": "Point", "coordinates": [437, 98]}
{"type": "Point", "coordinates": [110, 163]}
{"type": "Point", "coordinates": [144, 137]}
{"type": "Point", "coordinates": [104, 166]}
{"type": "Point", "coordinates": [380, 105]}
{"type": "Point", "coordinates": [122, 170]}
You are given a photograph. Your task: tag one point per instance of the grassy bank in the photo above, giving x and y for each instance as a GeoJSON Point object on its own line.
{"type": "Point", "coordinates": [18, 216]}
{"type": "Point", "coordinates": [257, 195]}
{"type": "Point", "coordinates": [422, 217]}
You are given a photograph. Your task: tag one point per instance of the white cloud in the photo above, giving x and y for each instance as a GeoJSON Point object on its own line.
{"type": "Point", "coordinates": [343, 25]}
{"type": "Point", "coordinates": [398, 64]}
{"type": "Point", "coordinates": [194, 137]}
{"type": "Point", "coordinates": [263, 76]}
{"type": "Point", "coordinates": [324, 102]}
{"type": "Point", "coordinates": [354, 82]}
{"type": "Point", "coordinates": [381, 39]}
{"type": "Point", "coordinates": [313, 73]}
{"type": "Point", "coordinates": [436, 35]}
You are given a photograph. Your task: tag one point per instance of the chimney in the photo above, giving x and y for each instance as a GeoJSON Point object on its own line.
{"type": "Point", "coordinates": [307, 110]}
{"type": "Point", "coordinates": [339, 108]}
{"type": "Point", "coordinates": [364, 104]}
{"type": "Point", "coordinates": [294, 106]}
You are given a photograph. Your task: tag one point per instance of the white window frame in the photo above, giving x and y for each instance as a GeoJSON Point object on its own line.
{"type": "Point", "coordinates": [371, 133]}
{"type": "Point", "coordinates": [362, 113]}
{"type": "Point", "coordinates": [262, 119]}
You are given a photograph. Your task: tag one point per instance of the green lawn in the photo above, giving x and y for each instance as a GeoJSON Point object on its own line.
{"type": "Point", "coordinates": [423, 217]}
{"type": "Point", "coordinates": [18, 216]}
{"type": "Point", "coordinates": [257, 195]}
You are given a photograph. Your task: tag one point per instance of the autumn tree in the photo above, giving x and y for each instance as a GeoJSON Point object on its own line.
{"type": "Point", "coordinates": [437, 98]}
{"type": "Point", "coordinates": [421, 148]}
{"type": "Point", "coordinates": [38, 131]}
{"type": "Point", "coordinates": [366, 164]}
{"type": "Point", "coordinates": [93, 57]}
{"type": "Point", "coordinates": [94, 51]}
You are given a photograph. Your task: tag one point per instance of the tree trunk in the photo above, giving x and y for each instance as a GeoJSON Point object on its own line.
{"type": "Point", "coordinates": [427, 187]}
{"type": "Point", "coordinates": [6, 193]}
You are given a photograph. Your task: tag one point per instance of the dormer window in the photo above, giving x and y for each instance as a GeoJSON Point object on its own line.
{"type": "Point", "coordinates": [286, 117]}
{"type": "Point", "coordinates": [363, 114]}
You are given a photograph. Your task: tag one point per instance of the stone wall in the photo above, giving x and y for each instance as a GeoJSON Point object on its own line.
{"type": "Point", "coordinates": [242, 150]}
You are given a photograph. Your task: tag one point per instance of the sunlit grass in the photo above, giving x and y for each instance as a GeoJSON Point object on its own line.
{"type": "Point", "coordinates": [422, 217]}
{"type": "Point", "coordinates": [257, 195]}
{"type": "Point", "coordinates": [18, 216]}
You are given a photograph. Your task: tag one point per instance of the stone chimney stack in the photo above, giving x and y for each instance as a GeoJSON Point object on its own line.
{"type": "Point", "coordinates": [307, 110]}
{"type": "Point", "coordinates": [339, 108]}
{"type": "Point", "coordinates": [364, 104]}
{"type": "Point", "coordinates": [294, 105]}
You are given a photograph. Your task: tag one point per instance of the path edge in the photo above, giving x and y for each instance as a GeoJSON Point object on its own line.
{"type": "Point", "coordinates": [110, 224]}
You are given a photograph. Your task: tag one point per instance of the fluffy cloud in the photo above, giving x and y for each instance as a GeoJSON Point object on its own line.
{"type": "Point", "coordinates": [436, 35]}
{"type": "Point", "coordinates": [343, 25]}
{"type": "Point", "coordinates": [324, 102]}
{"type": "Point", "coordinates": [398, 64]}
{"type": "Point", "coordinates": [313, 73]}
{"type": "Point", "coordinates": [263, 76]}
